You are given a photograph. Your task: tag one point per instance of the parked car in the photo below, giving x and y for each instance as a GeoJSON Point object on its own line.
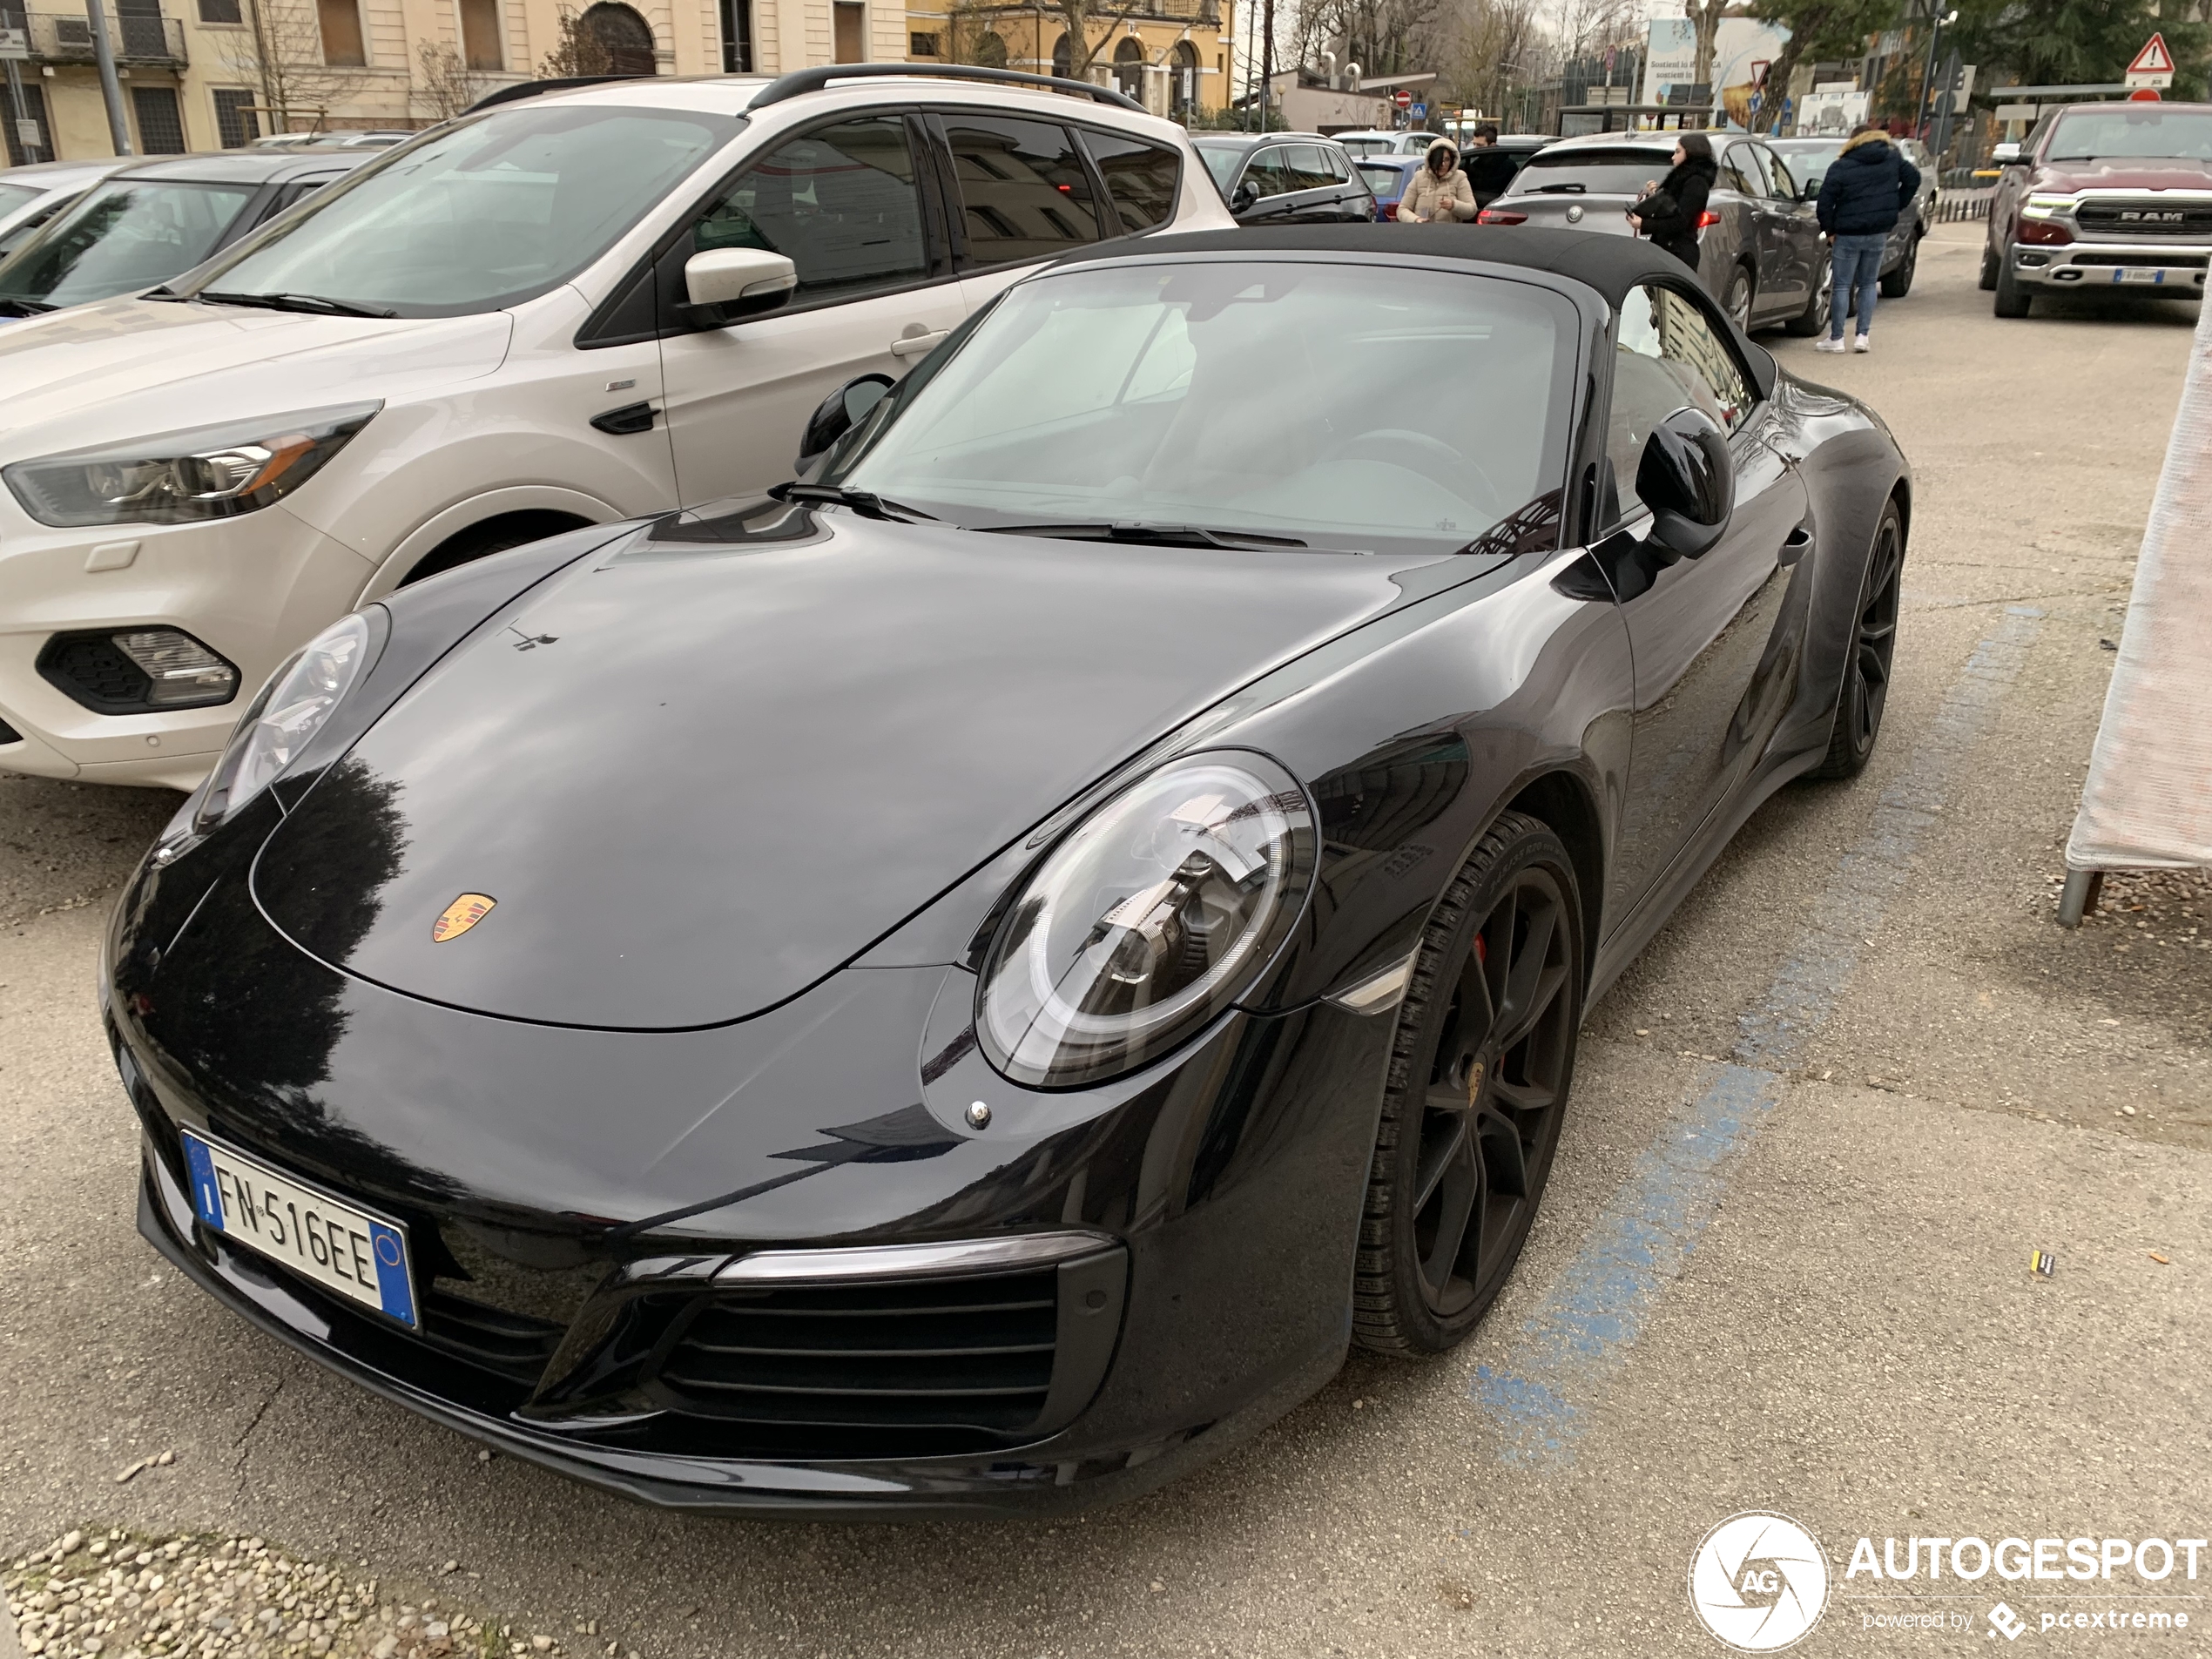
{"type": "Point", "coordinates": [1286, 178]}
{"type": "Point", "coordinates": [972, 982]}
{"type": "Point", "coordinates": [1491, 168]}
{"type": "Point", "coordinates": [30, 196]}
{"type": "Point", "coordinates": [150, 220]}
{"type": "Point", "coordinates": [1808, 160]}
{"type": "Point", "coordinates": [567, 309]}
{"type": "Point", "coordinates": [1387, 177]}
{"type": "Point", "coordinates": [1375, 142]}
{"type": "Point", "coordinates": [1759, 247]}
{"type": "Point", "coordinates": [381, 139]}
{"type": "Point", "coordinates": [2114, 195]}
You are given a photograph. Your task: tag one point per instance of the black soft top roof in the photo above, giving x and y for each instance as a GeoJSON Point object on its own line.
{"type": "Point", "coordinates": [1611, 265]}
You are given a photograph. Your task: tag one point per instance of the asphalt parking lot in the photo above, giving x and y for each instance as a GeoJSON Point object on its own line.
{"type": "Point", "coordinates": [1783, 1264]}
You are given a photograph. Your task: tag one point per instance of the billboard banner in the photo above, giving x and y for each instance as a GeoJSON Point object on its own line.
{"type": "Point", "coordinates": [1742, 47]}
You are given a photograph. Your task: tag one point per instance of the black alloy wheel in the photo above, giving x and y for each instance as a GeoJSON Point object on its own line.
{"type": "Point", "coordinates": [1815, 318]}
{"type": "Point", "coordinates": [1739, 298]}
{"type": "Point", "coordinates": [1479, 1081]}
{"type": "Point", "coordinates": [1898, 283]}
{"type": "Point", "coordinates": [1873, 651]}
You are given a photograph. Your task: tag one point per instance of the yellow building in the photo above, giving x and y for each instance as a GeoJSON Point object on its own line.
{"type": "Point", "coordinates": [208, 74]}
{"type": "Point", "coordinates": [1172, 55]}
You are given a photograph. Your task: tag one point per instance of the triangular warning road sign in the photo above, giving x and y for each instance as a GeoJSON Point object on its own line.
{"type": "Point", "coordinates": [2154, 60]}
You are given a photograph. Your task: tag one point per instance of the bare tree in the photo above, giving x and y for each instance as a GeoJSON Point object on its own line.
{"type": "Point", "coordinates": [444, 81]}
{"type": "Point", "coordinates": [1088, 25]}
{"type": "Point", "coordinates": [280, 55]}
{"type": "Point", "coordinates": [1705, 25]}
{"type": "Point", "coordinates": [578, 51]}
{"type": "Point", "coordinates": [1487, 50]}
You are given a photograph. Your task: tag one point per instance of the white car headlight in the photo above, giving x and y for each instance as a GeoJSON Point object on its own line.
{"type": "Point", "coordinates": [296, 705]}
{"type": "Point", "coordinates": [1160, 910]}
{"type": "Point", "coordinates": [2041, 204]}
{"type": "Point", "coordinates": [180, 477]}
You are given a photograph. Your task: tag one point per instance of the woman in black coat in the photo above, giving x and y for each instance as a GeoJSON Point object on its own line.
{"type": "Point", "coordinates": [1668, 213]}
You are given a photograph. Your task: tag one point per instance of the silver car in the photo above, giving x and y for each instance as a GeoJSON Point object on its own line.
{"type": "Point", "coordinates": [29, 196]}
{"type": "Point", "coordinates": [1759, 252]}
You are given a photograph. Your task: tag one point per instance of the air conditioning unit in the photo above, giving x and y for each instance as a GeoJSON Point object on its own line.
{"type": "Point", "coordinates": [73, 32]}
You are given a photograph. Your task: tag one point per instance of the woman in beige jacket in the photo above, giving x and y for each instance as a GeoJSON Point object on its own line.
{"type": "Point", "coordinates": [1440, 193]}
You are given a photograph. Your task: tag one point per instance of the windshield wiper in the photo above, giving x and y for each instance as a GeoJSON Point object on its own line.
{"type": "Point", "coordinates": [1147, 534]}
{"type": "Point", "coordinates": [313, 304]}
{"type": "Point", "coordinates": [25, 307]}
{"type": "Point", "coordinates": [865, 502]}
{"type": "Point", "coordinates": [1561, 190]}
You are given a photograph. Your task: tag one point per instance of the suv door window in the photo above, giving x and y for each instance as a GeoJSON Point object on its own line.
{"type": "Point", "coordinates": [1268, 173]}
{"type": "Point", "coordinates": [1140, 178]}
{"type": "Point", "coordinates": [840, 202]}
{"type": "Point", "coordinates": [1785, 182]}
{"type": "Point", "coordinates": [1308, 169]}
{"type": "Point", "coordinates": [1024, 192]}
{"type": "Point", "coordinates": [1666, 355]}
{"type": "Point", "coordinates": [1740, 174]}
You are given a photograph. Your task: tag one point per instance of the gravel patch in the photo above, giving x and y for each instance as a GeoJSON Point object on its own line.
{"type": "Point", "coordinates": [116, 1596]}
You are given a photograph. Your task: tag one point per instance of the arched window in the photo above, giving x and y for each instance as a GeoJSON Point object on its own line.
{"type": "Point", "coordinates": [624, 36]}
{"type": "Point", "coordinates": [990, 51]}
{"type": "Point", "coordinates": [1129, 66]}
{"type": "Point", "coordinates": [1063, 57]}
{"type": "Point", "coordinates": [1182, 80]}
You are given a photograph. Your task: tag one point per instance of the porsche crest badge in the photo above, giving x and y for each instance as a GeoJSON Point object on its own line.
{"type": "Point", "coordinates": [461, 915]}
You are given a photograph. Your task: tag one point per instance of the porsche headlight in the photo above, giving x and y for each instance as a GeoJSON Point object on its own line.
{"type": "Point", "coordinates": [179, 477]}
{"type": "Point", "coordinates": [296, 705]}
{"type": "Point", "coordinates": [1163, 908]}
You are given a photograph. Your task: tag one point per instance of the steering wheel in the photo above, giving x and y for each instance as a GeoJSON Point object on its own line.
{"type": "Point", "coordinates": [1433, 458]}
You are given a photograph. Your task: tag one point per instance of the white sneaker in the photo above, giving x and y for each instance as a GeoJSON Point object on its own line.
{"type": "Point", "coordinates": [1863, 343]}
{"type": "Point", "coordinates": [1828, 345]}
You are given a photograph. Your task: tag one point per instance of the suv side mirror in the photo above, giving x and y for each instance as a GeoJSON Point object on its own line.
{"type": "Point", "coordinates": [739, 282]}
{"type": "Point", "coordinates": [1245, 197]}
{"type": "Point", "coordinates": [841, 412]}
{"type": "Point", "coordinates": [2006, 154]}
{"type": "Point", "coordinates": [1809, 190]}
{"type": "Point", "coordinates": [1686, 480]}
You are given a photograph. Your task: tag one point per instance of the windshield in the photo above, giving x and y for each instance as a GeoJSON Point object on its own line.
{"type": "Point", "coordinates": [1406, 411]}
{"type": "Point", "coordinates": [490, 213]}
{"type": "Point", "coordinates": [13, 197]}
{"type": "Point", "coordinates": [1222, 162]}
{"type": "Point", "coordinates": [2132, 132]}
{"type": "Point", "coordinates": [1608, 172]}
{"type": "Point", "coordinates": [1808, 158]}
{"type": "Point", "coordinates": [128, 234]}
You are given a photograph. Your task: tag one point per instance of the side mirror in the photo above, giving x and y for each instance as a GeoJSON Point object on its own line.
{"type": "Point", "coordinates": [2006, 154]}
{"type": "Point", "coordinates": [1245, 197]}
{"type": "Point", "coordinates": [841, 412]}
{"type": "Point", "coordinates": [1809, 190]}
{"type": "Point", "coordinates": [739, 282]}
{"type": "Point", "coordinates": [1687, 481]}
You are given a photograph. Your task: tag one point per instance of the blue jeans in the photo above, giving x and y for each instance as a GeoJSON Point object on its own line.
{"type": "Point", "coordinates": [1857, 262]}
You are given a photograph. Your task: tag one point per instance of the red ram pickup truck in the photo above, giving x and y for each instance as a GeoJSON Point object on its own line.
{"type": "Point", "coordinates": [2104, 195]}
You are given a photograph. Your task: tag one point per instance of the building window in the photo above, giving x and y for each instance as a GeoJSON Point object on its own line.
{"type": "Point", "coordinates": [34, 111]}
{"type": "Point", "coordinates": [480, 42]}
{"type": "Point", "coordinates": [221, 11]}
{"type": "Point", "coordinates": [342, 46]}
{"type": "Point", "coordinates": [1129, 66]}
{"type": "Point", "coordinates": [736, 37]}
{"type": "Point", "coordinates": [922, 45]}
{"type": "Point", "coordinates": [851, 27]}
{"type": "Point", "coordinates": [1182, 80]}
{"type": "Point", "coordinates": [1063, 57]}
{"type": "Point", "coordinates": [990, 51]}
{"type": "Point", "coordinates": [161, 124]}
{"type": "Point", "coordinates": [626, 37]}
{"type": "Point", "coordinates": [236, 122]}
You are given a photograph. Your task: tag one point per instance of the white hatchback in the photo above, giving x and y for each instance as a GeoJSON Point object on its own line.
{"type": "Point", "coordinates": [572, 308]}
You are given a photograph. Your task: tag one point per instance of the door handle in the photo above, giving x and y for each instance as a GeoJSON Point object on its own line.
{"type": "Point", "coordinates": [914, 345]}
{"type": "Point", "coordinates": [1793, 547]}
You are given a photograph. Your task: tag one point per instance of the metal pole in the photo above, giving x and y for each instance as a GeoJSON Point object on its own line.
{"type": "Point", "coordinates": [19, 113]}
{"type": "Point", "coordinates": [1940, 144]}
{"type": "Point", "coordinates": [110, 88]}
{"type": "Point", "coordinates": [1267, 60]}
{"type": "Point", "coordinates": [1927, 75]}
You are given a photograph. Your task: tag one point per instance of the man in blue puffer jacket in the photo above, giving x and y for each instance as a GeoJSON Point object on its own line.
{"type": "Point", "coordinates": [1865, 190]}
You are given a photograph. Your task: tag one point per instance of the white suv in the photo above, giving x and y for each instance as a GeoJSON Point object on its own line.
{"type": "Point", "coordinates": [571, 309]}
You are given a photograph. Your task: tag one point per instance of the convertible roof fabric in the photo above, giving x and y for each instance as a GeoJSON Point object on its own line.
{"type": "Point", "coordinates": [1611, 265]}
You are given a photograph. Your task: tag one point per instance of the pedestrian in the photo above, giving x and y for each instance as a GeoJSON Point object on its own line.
{"type": "Point", "coordinates": [1668, 210]}
{"type": "Point", "coordinates": [1486, 137]}
{"type": "Point", "coordinates": [1864, 193]}
{"type": "Point", "coordinates": [1439, 192]}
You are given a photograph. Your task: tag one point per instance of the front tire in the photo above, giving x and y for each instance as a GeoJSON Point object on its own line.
{"type": "Point", "coordinates": [1898, 283]}
{"type": "Point", "coordinates": [1479, 1079]}
{"type": "Point", "coordinates": [1815, 319]}
{"type": "Point", "coordinates": [1873, 653]}
{"type": "Point", "coordinates": [2013, 298]}
{"type": "Point", "coordinates": [1988, 269]}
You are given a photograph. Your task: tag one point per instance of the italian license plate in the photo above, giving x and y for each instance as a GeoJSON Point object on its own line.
{"type": "Point", "coordinates": [2136, 274]}
{"type": "Point", "coordinates": [340, 1246]}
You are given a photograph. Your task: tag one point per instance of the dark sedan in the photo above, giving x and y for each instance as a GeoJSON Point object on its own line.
{"type": "Point", "coordinates": [1808, 160]}
{"type": "Point", "coordinates": [1285, 177]}
{"type": "Point", "coordinates": [1759, 246]}
{"type": "Point", "coordinates": [964, 985]}
{"type": "Point", "coordinates": [156, 219]}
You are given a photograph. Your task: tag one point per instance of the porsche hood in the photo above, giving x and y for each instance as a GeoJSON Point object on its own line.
{"type": "Point", "coordinates": [683, 781]}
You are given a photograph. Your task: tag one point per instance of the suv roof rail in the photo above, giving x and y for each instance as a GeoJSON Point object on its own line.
{"type": "Point", "coordinates": [802, 81]}
{"type": "Point", "coordinates": [532, 89]}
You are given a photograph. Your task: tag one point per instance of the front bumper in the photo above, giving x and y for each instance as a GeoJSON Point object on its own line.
{"type": "Point", "coordinates": [251, 588]}
{"type": "Point", "coordinates": [2130, 266]}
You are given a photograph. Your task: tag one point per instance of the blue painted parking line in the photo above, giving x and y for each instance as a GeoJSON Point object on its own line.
{"type": "Point", "coordinates": [1577, 1341]}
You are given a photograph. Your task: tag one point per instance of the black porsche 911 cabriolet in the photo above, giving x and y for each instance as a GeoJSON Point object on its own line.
{"type": "Point", "coordinates": [964, 986]}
